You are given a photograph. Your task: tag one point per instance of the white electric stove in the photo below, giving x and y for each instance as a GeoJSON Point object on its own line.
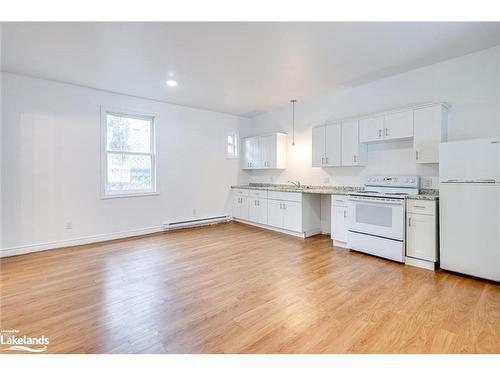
{"type": "Point", "coordinates": [377, 216]}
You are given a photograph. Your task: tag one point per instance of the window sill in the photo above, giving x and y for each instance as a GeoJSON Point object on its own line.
{"type": "Point", "coordinates": [131, 195]}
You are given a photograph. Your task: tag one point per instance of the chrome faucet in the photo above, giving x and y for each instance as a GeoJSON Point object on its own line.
{"type": "Point", "coordinates": [297, 184]}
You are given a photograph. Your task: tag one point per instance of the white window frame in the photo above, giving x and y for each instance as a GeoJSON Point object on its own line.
{"type": "Point", "coordinates": [237, 145]}
{"type": "Point", "coordinates": [105, 194]}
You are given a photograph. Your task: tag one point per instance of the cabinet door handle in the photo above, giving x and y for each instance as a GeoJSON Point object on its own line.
{"type": "Point", "coordinates": [415, 206]}
{"type": "Point", "coordinates": [281, 206]}
{"type": "Point", "coordinates": [326, 160]}
{"type": "Point", "coordinates": [345, 214]}
{"type": "Point", "coordinates": [355, 158]}
{"type": "Point", "coordinates": [386, 132]}
{"type": "Point", "coordinates": [409, 221]}
{"type": "Point", "coordinates": [380, 132]}
{"type": "Point", "coordinates": [284, 206]}
{"type": "Point", "coordinates": [322, 160]}
{"type": "Point", "coordinates": [416, 155]}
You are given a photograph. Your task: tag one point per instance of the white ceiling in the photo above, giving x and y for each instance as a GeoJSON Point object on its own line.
{"type": "Point", "coordinates": [238, 68]}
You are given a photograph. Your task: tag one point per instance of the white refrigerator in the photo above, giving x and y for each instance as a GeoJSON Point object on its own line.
{"type": "Point", "coordinates": [469, 207]}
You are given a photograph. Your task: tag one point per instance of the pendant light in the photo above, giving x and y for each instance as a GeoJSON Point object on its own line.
{"type": "Point", "coordinates": [293, 101]}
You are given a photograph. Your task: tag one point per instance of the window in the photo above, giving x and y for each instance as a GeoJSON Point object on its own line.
{"type": "Point", "coordinates": [128, 154]}
{"type": "Point", "coordinates": [232, 145]}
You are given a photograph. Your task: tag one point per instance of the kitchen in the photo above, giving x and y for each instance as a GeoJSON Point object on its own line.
{"type": "Point", "coordinates": [261, 188]}
{"type": "Point", "coordinates": [403, 150]}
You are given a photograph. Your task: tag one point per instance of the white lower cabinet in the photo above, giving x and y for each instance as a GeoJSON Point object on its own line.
{"type": "Point", "coordinates": [240, 207]}
{"type": "Point", "coordinates": [421, 234]}
{"type": "Point", "coordinates": [274, 213]}
{"type": "Point", "coordinates": [287, 211]}
{"type": "Point", "coordinates": [257, 210]}
{"type": "Point", "coordinates": [339, 220]}
{"type": "Point", "coordinates": [292, 216]}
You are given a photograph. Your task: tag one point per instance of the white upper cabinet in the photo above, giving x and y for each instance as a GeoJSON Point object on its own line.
{"type": "Point", "coordinates": [264, 152]}
{"type": "Point", "coordinates": [337, 145]}
{"type": "Point", "coordinates": [250, 153]}
{"type": "Point", "coordinates": [268, 151]}
{"type": "Point", "coordinates": [318, 146]}
{"type": "Point", "coordinates": [333, 143]}
{"type": "Point", "coordinates": [371, 129]}
{"type": "Point", "coordinates": [398, 125]}
{"type": "Point", "coordinates": [345, 143]}
{"type": "Point", "coordinates": [353, 153]}
{"type": "Point", "coordinates": [390, 126]}
{"type": "Point", "coordinates": [327, 146]}
{"type": "Point", "coordinates": [429, 130]}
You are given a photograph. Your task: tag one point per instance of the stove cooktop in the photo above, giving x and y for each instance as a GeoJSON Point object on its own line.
{"type": "Point", "coordinates": [369, 193]}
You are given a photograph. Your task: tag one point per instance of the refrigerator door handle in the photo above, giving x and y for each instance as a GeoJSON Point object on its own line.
{"type": "Point", "coordinates": [472, 181]}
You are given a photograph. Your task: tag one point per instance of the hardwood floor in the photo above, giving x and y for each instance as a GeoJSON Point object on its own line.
{"type": "Point", "coordinates": [233, 288]}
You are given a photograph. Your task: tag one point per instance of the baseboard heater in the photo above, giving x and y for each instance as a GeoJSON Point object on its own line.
{"type": "Point", "coordinates": [196, 222]}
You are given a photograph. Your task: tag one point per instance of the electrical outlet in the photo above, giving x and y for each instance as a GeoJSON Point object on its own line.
{"type": "Point", "coordinates": [426, 183]}
{"type": "Point", "coordinates": [69, 225]}
{"type": "Point", "coordinates": [194, 211]}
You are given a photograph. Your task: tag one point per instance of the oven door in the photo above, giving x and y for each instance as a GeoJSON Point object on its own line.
{"type": "Point", "coordinates": [382, 217]}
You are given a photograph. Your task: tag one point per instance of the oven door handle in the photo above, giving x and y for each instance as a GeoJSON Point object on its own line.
{"type": "Point", "coordinates": [379, 203]}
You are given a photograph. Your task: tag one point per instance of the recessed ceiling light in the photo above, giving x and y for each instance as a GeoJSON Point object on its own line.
{"type": "Point", "coordinates": [171, 83]}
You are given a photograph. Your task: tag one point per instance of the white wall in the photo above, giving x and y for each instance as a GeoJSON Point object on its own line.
{"type": "Point", "coordinates": [51, 170]}
{"type": "Point", "coordinates": [0, 135]}
{"type": "Point", "coordinates": [470, 83]}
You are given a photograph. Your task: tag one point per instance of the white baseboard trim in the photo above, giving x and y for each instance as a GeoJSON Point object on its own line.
{"type": "Point", "coordinates": [264, 226]}
{"type": "Point", "coordinates": [18, 250]}
{"type": "Point", "coordinates": [340, 244]}
{"type": "Point", "coordinates": [420, 263]}
{"type": "Point", "coordinates": [275, 229]}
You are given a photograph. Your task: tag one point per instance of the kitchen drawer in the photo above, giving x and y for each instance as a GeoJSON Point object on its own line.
{"type": "Point", "coordinates": [285, 196]}
{"type": "Point", "coordinates": [339, 200]}
{"type": "Point", "coordinates": [257, 193]}
{"type": "Point", "coordinates": [241, 192]}
{"type": "Point", "coordinates": [416, 206]}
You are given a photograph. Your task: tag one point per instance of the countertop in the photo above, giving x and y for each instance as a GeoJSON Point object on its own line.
{"type": "Point", "coordinates": [426, 194]}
